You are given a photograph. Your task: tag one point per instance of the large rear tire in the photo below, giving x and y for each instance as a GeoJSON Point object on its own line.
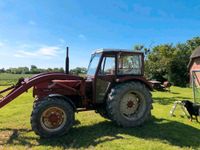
{"type": "Point", "coordinates": [52, 117]}
{"type": "Point", "coordinates": [129, 104]}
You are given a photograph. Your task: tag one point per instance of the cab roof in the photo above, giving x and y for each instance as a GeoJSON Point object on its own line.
{"type": "Point", "coordinates": [108, 50]}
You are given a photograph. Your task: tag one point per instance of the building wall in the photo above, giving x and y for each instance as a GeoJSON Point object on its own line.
{"type": "Point", "coordinates": [195, 66]}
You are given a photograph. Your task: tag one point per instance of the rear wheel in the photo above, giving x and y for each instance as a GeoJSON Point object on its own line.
{"type": "Point", "coordinates": [52, 117]}
{"type": "Point", "coordinates": [129, 104]}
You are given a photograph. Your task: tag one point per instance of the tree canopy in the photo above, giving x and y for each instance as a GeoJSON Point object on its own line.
{"type": "Point", "coordinates": [33, 70]}
{"type": "Point", "coordinates": [169, 62]}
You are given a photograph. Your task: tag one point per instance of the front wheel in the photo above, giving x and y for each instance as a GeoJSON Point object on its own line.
{"type": "Point", "coordinates": [129, 104]}
{"type": "Point", "coordinates": [52, 117]}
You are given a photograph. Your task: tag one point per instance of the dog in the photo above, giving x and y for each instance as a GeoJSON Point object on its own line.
{"type": "Point", "coordinates": [193, 109]}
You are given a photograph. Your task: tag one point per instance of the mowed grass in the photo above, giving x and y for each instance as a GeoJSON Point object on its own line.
{"type": "Point", "coordinates": [95, 132]}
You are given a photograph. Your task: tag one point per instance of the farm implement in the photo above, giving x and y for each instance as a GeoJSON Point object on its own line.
{"type": "Point", "coordinates": [114, 87]}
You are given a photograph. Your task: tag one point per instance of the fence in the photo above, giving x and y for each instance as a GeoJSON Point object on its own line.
{"type": "Point", "coordinates": [196, 85]}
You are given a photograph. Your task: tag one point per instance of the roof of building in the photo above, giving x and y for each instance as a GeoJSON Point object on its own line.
{"type": "Point", "coordinates": [195, 54]}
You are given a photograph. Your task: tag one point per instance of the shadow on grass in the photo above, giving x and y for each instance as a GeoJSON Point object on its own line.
{"type": "Point", "coordinates": [172, 132]}
{"type": "Point", "coordinates": [169, 100]}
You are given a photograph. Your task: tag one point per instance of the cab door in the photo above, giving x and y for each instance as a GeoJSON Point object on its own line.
{"type": "Point", "coordinates": [105, 76]}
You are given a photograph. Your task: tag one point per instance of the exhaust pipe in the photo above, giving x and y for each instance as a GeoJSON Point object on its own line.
{"type": "Point", "coordinates": [67, 61]}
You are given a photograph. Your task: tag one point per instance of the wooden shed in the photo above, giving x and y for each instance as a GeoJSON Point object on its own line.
{"type": "Point", "coordinates": [194, 63]}
{"type": "Point", "coordinates": [194, 66]}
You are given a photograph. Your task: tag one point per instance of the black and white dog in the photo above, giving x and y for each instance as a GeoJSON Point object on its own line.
{"type": "Point", "coordinates": [193, 109]}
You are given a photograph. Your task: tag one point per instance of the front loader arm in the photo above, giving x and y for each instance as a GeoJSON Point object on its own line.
{"type": "Point", "coordinates": [24, 84]}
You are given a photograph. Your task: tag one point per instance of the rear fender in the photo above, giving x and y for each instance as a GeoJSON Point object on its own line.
{"type": "Point", "coordinates": [140, 79]}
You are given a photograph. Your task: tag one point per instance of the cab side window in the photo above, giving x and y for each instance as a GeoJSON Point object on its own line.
{"type": "Point", "coordinates": [129, 64]}
{"type": "Point", "coordinates": [108, 66]}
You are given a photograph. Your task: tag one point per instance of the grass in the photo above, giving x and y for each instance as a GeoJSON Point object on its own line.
{"type": "Point", "coordinates": [8, 79]}
{"type": "Point", "coordinates": [95, 132]}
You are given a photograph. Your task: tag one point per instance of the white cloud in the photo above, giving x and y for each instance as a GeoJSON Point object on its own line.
{"type": "Point", "coordinates": [81, 36]}
{"type": "Point", "coordinates": [47, 51]}
{"type": "Point", "coordinates": [24, 53]}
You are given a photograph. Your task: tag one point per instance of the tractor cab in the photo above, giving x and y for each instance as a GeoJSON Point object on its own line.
{"type": "Point", "coordinates": [108, 66]}
{"type": "Point", "coordinates": [116, 62]}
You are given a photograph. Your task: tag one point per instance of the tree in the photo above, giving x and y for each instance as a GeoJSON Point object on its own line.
{"type": "Point", "coordinates": [168, 62]}
{"type": "Point", "coordinates": [78, 70]}
{"type": "Point", "coordinates": [178, 72]}
{"type": "Point", "coordinates": [138, 47]}
{"type": "Point", "coordinates": [57, 70]}
{"type": "Point", "coordinates": [22, 70]}
{"type": "Point", "coordinates": [141, 48]}
{"type": "Point", "coordinates": [34, 69]}
{"type": "Point", "coordinates": [2, 70]}
{"type": "Point", "coordinates": [193, 43]}
{"type": "Point", "coordinates": [157, 64]}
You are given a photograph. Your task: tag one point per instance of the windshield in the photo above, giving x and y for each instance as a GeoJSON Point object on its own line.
{"type": "Point", "coordinates": [93, 64]}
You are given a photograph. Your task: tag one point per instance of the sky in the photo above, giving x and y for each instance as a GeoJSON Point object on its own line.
{"type": "Point", "coordinates": [36, 32]}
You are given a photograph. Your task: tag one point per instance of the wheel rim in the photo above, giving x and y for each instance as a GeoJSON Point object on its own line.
{"type": "Point", "coordinates": [53, 119]}
{"type": "Point", "coordinates": [132, 106]}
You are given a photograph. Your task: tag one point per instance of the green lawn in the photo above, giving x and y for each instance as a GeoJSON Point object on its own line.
{"type": "Point", "coordinates": [8, 79]}
{"type": "Point", "coordinates": [95, 132]}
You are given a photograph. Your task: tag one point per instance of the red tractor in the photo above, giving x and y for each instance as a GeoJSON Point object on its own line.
{"type": "Point", "coordinates": [114, 87]}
